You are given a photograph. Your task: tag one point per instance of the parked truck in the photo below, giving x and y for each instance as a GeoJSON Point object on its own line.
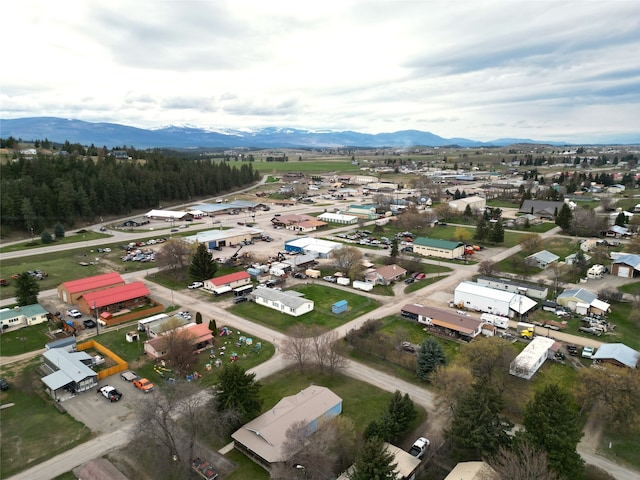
{"type": "Point", "coordinates": [526, 330]}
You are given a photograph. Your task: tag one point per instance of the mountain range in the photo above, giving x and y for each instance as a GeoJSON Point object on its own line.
{"type": "Point", "coordinates": [111, 135]}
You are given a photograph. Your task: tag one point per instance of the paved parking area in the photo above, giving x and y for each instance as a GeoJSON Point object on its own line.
{"type": "Point", "coordinates": [99, 414]}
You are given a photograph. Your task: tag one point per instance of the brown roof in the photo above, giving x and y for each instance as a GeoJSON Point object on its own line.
{"type": "Point", "coordinates": [390, 272]}
{"type": "Point", "coordinates": [266, 434]}
{"type": "Point", "coordinates": [463, 324]}
{"type": "Point", "coordinates": [100, 469]}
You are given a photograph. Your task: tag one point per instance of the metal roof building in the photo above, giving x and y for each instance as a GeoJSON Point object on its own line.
{"type": "Point", "coordinates": [618, 354]}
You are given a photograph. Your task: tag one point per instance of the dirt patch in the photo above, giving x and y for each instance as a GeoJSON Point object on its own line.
{"type": "Point", "coordinates": [592, 433]}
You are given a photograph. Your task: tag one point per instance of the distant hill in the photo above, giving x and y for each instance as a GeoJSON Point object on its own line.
{"type": "Point", "coordinates": [112, 134]}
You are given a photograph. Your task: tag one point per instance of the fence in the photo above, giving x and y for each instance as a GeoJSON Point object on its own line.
{"type": "Point", "coordinates": [107, 372]}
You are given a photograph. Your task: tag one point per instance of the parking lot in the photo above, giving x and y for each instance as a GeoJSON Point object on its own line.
{"type": "Point", "coordinates": [101, 415]}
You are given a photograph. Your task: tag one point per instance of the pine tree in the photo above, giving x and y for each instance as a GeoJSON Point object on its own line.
{"type": "Point", "coordinates": [394, 248]}
{"type": "Point", "coordinates": [46, 237]}
{"type": "Point", "coordinates": [59, 231]}
{"type": "Point", "coordinates": [238, 391]}
{"type": "Point", "coordinates": [430, 356]}
{"type": "Point", "coordinates": [564, 217]}
{"type": "Point", "coordinates": [482, 229]}
{"type": "Point", "coordinates": [551, 421]}
{"type": "Point", "coordinates": [478, 428]}
{"type": "Point", "coordinates": [496, 235]}
{"type": "Point", "coordinates": [202, 265]}
{"type": "Point", "coordinates": [27, 290]}
{"type": "Point", "coordinates": [400, 413]}
{"type": "Point", "coordinates": [373, 462]}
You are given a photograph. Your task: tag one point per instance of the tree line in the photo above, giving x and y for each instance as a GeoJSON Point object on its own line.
{"type": "Point", "coordinates": [48, 189]}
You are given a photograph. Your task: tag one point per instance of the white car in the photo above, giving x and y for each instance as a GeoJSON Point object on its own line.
{"type": "Point", "coordinates": [588, 352]}
{"type": "Point", "coordinates": [73, 313]}
{"type": "Point", "coordinates": [195, 285]}
{"type": "Point", "coordinates": [419, 447]}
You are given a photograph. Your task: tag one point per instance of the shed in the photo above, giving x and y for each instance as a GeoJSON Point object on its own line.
{"type": "Point", "coordinates": [340, 307]}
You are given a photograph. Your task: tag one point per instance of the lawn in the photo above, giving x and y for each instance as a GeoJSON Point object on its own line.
{"type": "Point", "coordinates": [33, 430]}
{"type": "Point", "coordinates": [26, 339]}
{"type": "Point", "coordinates": [323, 296]}
{"type": "Point", "coordinates": [248, 355]}
{"type": "Point", "coordinates": [621, 447]}
{"type": "Point", "coordinates": [71, 237]}
{"type": "Point", "coordinates": [560, 246]}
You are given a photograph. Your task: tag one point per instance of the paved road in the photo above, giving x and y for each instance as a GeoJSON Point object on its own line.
{"type": "Point", "coordinates": [107, 442]}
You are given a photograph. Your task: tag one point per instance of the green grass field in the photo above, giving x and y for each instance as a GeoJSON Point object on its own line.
{"type": "Point", "coordinates": [323, 295]}
{"type": "Point", "coordinates": [33, 430]}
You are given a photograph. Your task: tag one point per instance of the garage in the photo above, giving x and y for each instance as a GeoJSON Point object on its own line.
{"type": "Point", "coordinates": [624, 271]}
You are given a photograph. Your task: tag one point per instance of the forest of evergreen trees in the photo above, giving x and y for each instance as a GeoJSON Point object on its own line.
{"type": "Point", "coordinates": [48, 189]}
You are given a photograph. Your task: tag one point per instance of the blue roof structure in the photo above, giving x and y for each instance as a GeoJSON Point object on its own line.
{"type": "Point", "coordinates": [619, 352]}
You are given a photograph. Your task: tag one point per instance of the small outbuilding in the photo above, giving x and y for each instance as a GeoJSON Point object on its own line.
{"type": "Point", "coordinates": [527, 363]}
{"type": "Point", "coordinates": [340, 307]}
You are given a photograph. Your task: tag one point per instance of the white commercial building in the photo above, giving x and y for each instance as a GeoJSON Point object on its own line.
{"type": "Point", "coordinates": [527, 363]}
{"type": "Point", "coordinates": [472, 296]}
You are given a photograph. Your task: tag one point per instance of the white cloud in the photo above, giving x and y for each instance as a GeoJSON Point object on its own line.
{"type": "Point", "coordinates": [485, 69]}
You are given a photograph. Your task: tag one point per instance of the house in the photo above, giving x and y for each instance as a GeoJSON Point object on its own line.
{"type": "Point", "coordinates": [472, 296]}
{"type": "Point", "coordinates": [115, 300]}
{"type": "Point", "coordinates": [25, 316]}
{"type": "Point", "coordinates": [263, 438]}
{"type": "Point", "coordinates": [199, 334]}
{"type": "Point", "coordinates": [531, 290]}
{"type": "Point", "coordinates": [583, 302]}
{"type": "Point", "coordinates": [616, 231]}
{"type": "Point", "coordinates": [386, 275]}
{"type": "Point", "coordinates": [527, 217]}
{"type": "Point", "coordinates": [69, 373]}
{"type": "Point", "coordinates": [443, 322]}
{"type": "Point", "coordinates": [291, 220]}
{"type": "Point", "coordinates": [71, 291]}
{"type": "Point", "coordinates": [472, 471]}
{"type": "Point", "coordinates": [541, 259]}
{"type": "Point", "coordinates": [627, 266]}
{"type": "Point", "coordinates": [100, 469]}
{"type": "Point", "coordinates": [406, 464]}
{"type": "Point", "coordinates": [232, 280]}
{"type": "Point", "coordinates": [287, 301]}
{"type": "Point", "coordinates": [476, 204]}
{"type": "Point", "coordinates": [433, 247]}
{"type": "Point", "coordinates": [571, 259]}
{"type": "Point", "coordinates": [543, 209]}
{"type": "Point", "coordinates": [617, 354]}
{"type": "Point", "coordinates": [165, 325]}
{"type": "Point", "coordinates": [527, 363]}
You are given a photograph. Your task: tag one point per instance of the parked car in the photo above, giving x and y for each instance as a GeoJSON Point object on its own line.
{"type": "Point", "coordinates": [195, 285]}
{"type": "Point", "coordinates": [329, 279]}
{"type": "Point", "coordinates": [240, 299]}
{"type": "Point", "coordinates": [73, 313]}
{"type": "Point", "coordinates": [143, 384]}
{"type": "Point", "coordinates": [408, 347]}
{"type": "Point", "coordinates": [409, 280]}
{"type": "Point", "coordinates": [421, 276]}
{"type": "Point", "coordinates": [4, 385]}
{"type": "Point", "coordinates": [587, 352]}
{"type": "Point", "coordinates": [89, 323]}
{"type": "Point", "coordinates": [110, 393]}
{"type": "Point", "coordinates": [128, 376]}
{"type": "Point", "coordinates": [419, 447]}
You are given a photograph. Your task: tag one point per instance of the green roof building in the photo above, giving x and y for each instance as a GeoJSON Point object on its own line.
{"type": "Point", "coordinates": [433, 247]}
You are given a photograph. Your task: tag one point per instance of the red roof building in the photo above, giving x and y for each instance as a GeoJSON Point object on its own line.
{"type": "Point", "coordinates": [200, 336]}
{"type": "Point", "coordinates": [114, 300]}
{"type": "Point", "coordinates": [71, 291]}
{"type": "Point", "coordinates": [233, 280]}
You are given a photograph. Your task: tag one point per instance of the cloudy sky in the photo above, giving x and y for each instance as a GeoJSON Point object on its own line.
{"type": "Point", "coordinates": [479, 69]}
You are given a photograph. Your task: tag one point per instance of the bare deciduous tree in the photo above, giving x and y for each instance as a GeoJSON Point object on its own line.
{"type": "Point", "coordinates": [297, 345]}
{"type": "Point", "coordinates": [531, 243]}
{"type": "Point", "coordinates": [173, 254]}
{"type": "Point", "coordinates": [523, 461]}
{"type": "Point", "coordinates": [180, 350]}
{"type": "Point", "coordinates": [486, 267]}
{"type": "Point", "coordinates": [348, 260]}
{"type": "Point", "coordinates": [451, 382]}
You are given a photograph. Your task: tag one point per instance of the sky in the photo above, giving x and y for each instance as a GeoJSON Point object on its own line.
{"type": "Point", "coordinates": [546, 70]}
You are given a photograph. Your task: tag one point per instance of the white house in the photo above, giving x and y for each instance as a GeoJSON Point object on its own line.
{"type": "Point", "coordinates": [288, 301]}
{"type": "Point", "coordinates": [527, 363]}
{"type": "Point", "coordinates": [472, 296]}
{"type": "Point", "coordinates": [25, 316]}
